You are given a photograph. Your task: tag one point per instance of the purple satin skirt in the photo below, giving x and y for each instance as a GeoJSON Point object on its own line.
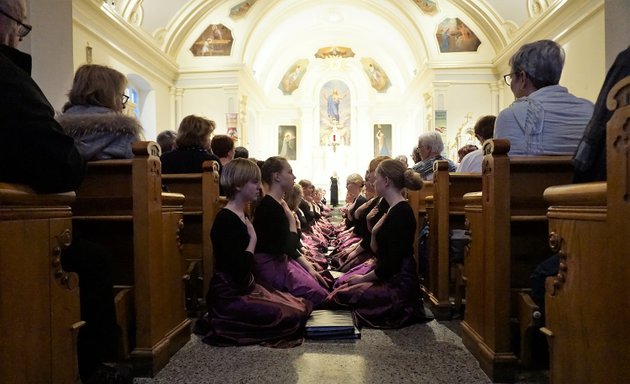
{"type": "Point", "coordinates": [393, 303]}
{"type": "Point", "coordinates": [253, 315]}
{"type": "Point", "coordinates": [289, 276]}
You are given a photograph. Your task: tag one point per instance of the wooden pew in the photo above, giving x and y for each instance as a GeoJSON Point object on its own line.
{"type": "Point", "coordinates": [445, 211]}
{"type": "Point", "coordinates": [586, 303]}
{"type": "Point", "coordinates": [508, 227]}
{"type": "Point", "coordinates": [200, 208]}
{"type": "Point", "coordinates": [417, 202]}
{"type": "Point", "coordinates": [120, 205]}
{"type": "Point", "coordinates": [39, 301]}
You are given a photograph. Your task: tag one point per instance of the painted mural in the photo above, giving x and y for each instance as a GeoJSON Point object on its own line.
{"type": "Point", "coordinates": [377, 76]}
{"type": "Point", "coordinates": [292, 77]}
{"type": "Point", "coordinates": [216, 40]}
{"type": "Point", "coordinates": [334, 114]}
{"type": "Point", "coordinates": [454, 36]}
{"type": "Point", "coordinates": [382, 140]}
{"type": "Point", "coordinates": [427, 6]}
{"type": "Point", "coordinates": [241, 9]}
{"type": "Point", "coordinates": [287, 141]}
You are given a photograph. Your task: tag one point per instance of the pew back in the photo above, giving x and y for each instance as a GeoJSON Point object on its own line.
{"type": "Point", "coordinates": [446, 212]}
{"type": "Point", "coordinates": [39, 301]}
{"type": "Point", "coordinates": [513, 233]}
{"type": "Point", "coordinates": [120, 205]}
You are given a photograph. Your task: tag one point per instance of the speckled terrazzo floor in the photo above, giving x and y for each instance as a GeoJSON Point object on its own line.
{"type": "Point", "coordinates": [423, 353]}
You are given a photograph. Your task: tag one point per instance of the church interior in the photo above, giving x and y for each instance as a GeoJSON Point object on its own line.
{"type": "Point", "coordinates": [330, 85]}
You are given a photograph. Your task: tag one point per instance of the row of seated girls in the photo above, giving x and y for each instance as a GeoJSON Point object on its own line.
{"type": "Point", "coordinates": [271, 271]}
{"type": "Point", "coordinates": [270, 274]}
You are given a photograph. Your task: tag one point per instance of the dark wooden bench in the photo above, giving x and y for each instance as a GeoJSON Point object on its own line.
{"type": "Point", "coordinates": [200, 208]}
{"type": "Point", "coordinates": [121, 206]}
{"type": "Point", "coordinates": [586, 303]}
{"type": "Point", "coordinates": [445, 211]}
{"type": "Point", "coordinates": [39, 301]}
{"type": "Point", "coordinates": [508, 228]}
{"type": "Point", "coordinates": [417, 202]}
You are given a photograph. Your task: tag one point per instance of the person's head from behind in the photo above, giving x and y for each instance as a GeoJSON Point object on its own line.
{"type": "Point", "coordinates": [403, 159]}
{"type": "Point", "coordinates": [430, 144]}
{"type": "Point", "coordinates": [463, 151]}
{"type": "Point", "coordinates": [484, 128]}
{"type": "Point", "coordinates": [277, 172]}
{"type": "Point", "coordinates": [223, 146]}
{"type": "Point", "coordinates": [241, 153]}
{"type": "Point", "coordinates": [392, 175]}
{"type": "Point", "coordinates": [241, 176]}
{"type": "Point", "coordinates": [293, 196]}
{"type": "Point", "coordinates": [534, 66]}
{"type": "Point", "coordinates": [415, 155]}
{"type": "Point", "coordinates": [98, 85]}
{"type": "Point", "coordinates": [194, 131]}
{"type": "Point", "coordinates": [12, 25]}
{"type": "Point", "coordinates": [166, 140]}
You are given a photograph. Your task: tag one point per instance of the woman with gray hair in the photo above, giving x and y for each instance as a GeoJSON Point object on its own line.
{"type": "Point", "coordinates": [545, 119]}
{"type": "Point", "coordinates": [430, 147]}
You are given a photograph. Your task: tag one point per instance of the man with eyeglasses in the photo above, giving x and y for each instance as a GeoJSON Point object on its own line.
{"type": "Point", "coordinates": [37, 153]}
{"type": "Point", "coordinates": [545, 119]}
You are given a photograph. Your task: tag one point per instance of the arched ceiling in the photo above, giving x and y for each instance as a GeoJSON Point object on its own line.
{"type": "Point", "coordinates": [399, 35]}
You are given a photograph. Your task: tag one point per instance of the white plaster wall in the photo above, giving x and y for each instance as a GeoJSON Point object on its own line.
{"type": "Point", "coordinates": [158, 94]}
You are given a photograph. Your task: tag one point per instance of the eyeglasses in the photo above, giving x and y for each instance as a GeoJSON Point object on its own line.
{"type": "Point", "coordinates": [508, 78]}
{"type": "Point", "coordinates": [23, 30]}
{"type": "Point", "coordinates": [125, 98]}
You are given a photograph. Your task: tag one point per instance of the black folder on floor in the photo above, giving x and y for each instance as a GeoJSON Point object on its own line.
{"type": "Point", "coordinates": [327, 324]}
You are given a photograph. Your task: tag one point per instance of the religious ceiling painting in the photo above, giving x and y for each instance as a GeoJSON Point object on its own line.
{"type": "Point", "coordinates": [377, 76]}
{"type": "Point", "coordinates": [241, 9]}
{"type": "Point", "coordinates": [334, 114]}
{"type": "Point", "coordinates": [292, 77]}
{"type": "Point", "coordinates": [328, 52]}
{"type": "Point", "coordinates": [427, 6]}
{"type": "Point", "coordinates": [216, 40]}
{"type": "Point", "coordinates": [454, 36]}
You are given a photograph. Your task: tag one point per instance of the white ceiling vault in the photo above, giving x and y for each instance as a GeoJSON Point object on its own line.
{"type": "Point", "coordinates": [274, 34]}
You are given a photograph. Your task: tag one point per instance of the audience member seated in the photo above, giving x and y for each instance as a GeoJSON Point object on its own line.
{"type": "Point", "coordinates": [590, 156]}
{"type": "Point", "coordinates": [43, 157]}
{"type": "Point", "coordinates": [278, 263]}
{"type": "Point", "coordinates": [484, 129]}
{"type": "Point", "coordinates": [403, 159]}
{"type": "Point", "coordinates": [241, 153]}
{"type": "Point", "coordinates": [463, 151]}
{"type": "Point", "coordinates": [385, 293]}
{"type": "Point", "coordinates": [166, 140]}
{"type": "Point", "coordinates": [415, 155]}
{"type": "Point", "coordinates": [223, 147]}
{"type": "Point", "coordinates": [93, 114]}
{"type": "Point", "coordinates": [192, 144]}
{"type": "Point", "coordinates": [241, 312]}
{"type": "Point", "coordinates": [545, 119]}
{"type": "Point", "coordinates": [430, 147]}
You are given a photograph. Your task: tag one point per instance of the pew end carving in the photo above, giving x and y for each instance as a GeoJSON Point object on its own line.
{"type": "Point", "coordinates": [39, 300]}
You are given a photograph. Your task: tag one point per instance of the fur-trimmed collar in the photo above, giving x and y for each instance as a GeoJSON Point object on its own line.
{"type": "Point", "coordinates": [78, 121]}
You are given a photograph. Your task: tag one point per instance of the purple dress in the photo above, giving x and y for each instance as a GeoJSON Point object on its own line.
{"type": "Point", "coordinates": [393, 300]}
{"type": "Point", "coordinates": [276, 251]}
{"type": "Point", "coordinates": [241, 312]}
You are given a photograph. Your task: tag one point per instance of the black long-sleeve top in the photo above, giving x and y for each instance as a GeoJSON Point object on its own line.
{"type": "Point", "coordinates": [383, 206]}
{"type": "Point", "coordinates": [309, 214]}
{"type": "Point", "coordinates": [229, 242]}
{"type": "Point", "coordinates": [395, 240]}
{"type": "Point", "coordinates": [272, 230]}
{"type": "Point", "coordinates": [350, 220]}
{"type": "Point", "coordinates": [37, 152]}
